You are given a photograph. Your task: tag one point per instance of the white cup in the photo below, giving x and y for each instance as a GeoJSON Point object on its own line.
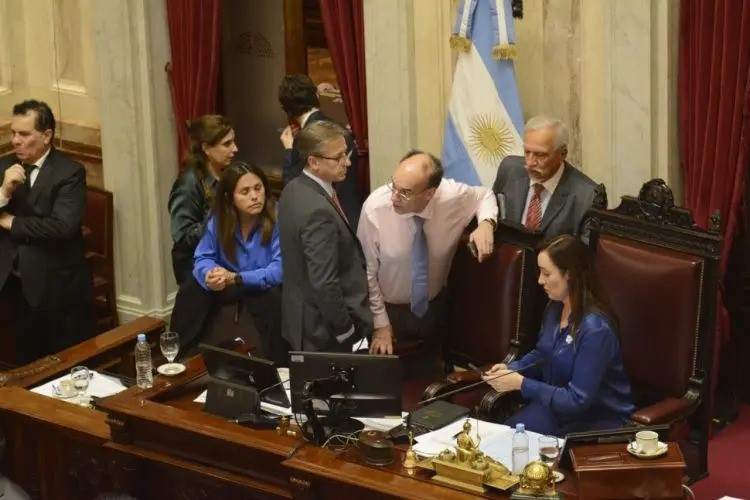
{"type": "Point", "coordinates": [647, 441]}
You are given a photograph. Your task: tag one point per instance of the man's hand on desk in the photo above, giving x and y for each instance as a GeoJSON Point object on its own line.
{"type": "Point", "coordinates": [6, 220]}
{"type": "Point", "coordinates": [382, 340]}
{"type": "Point", "coordinates": [484, 239]}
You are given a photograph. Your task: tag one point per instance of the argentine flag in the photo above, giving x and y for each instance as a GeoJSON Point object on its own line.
{"type": "Point", "coordinates": [484, 115]}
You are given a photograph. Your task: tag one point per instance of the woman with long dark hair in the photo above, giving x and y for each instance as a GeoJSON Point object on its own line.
{"type": "Point", "coordinates": [238, 260]}
{"type": "Point", "coordinates": [210, 151]}
{"type": "Point", "coordinates": [574, 378]}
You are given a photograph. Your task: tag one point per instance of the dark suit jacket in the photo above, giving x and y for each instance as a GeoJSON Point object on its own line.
{"type": "Point", "coordinates": [324, 290]}
{"type": "Point", "coordinates": [46, 234]}
{"type": "Point", "coordinates": [572, 198]}
{"type": "Point", "coordinates": [346, 189]}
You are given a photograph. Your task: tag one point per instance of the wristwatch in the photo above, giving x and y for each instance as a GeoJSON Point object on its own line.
{"type": "Point", "coordinates": [238, 279]}
{"type": "Point", "coordinates": [492, 223]}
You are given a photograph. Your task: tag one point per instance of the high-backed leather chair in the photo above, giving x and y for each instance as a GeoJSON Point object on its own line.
{"type": "Point", "coordinates": [495, 307]}
{"type": "Point", "coordinates": [98, 230]}
{"type": "Point", "coordinates": [661, 273]}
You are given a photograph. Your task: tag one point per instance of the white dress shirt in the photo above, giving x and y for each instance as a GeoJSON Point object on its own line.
{"type": "Point", "coordinates": [387, 239]}
{"type": "Point", "coordinates": [549, 187]}
{"type": "Point", "coordinates": [32, 176]}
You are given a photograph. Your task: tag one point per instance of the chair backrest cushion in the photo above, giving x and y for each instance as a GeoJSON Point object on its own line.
{"type": "Point", "coordinates": [656, 294]}
{"type": "Point", "coordinates": [485, 302]}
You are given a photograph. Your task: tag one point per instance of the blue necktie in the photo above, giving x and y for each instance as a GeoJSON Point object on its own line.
{"type": "Point", "coordinates": [419, 270]}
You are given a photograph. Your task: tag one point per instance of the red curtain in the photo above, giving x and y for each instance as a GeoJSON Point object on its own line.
{"type": "Point", "coordinates": [343, 21]}
{"type": "Point", "coordinates": [714, 116]}
{"type": "Point", "coordinates": [194, 70]}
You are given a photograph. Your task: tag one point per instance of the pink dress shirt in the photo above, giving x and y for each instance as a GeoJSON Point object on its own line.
{"type": "Point", "coordinates": [387, 238]}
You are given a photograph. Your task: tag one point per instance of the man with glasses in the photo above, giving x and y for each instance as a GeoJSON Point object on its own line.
{"type": "Point", "coordinates": [541, 190]}
{"type": "Point", "coordinates": [324, 293]}
{"type": "Point", "coordinates": [298, 97]}
{"type": "Point", "coordinates": [409, 230]}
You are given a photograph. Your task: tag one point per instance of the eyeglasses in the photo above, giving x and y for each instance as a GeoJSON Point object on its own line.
{"type": "Point", "coordinates": [404, 194]}
{"type": "Point", "coordinates": [340, 158]}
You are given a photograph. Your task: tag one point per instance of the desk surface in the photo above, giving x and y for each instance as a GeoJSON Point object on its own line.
{"type": "Point", "coordinates": [158, 443]}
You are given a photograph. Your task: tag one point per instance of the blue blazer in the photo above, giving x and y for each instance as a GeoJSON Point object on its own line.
{"type": "Point", "coordinates": [581, 377]}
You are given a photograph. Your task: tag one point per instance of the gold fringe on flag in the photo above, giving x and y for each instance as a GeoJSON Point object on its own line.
{"type": "Point", "coordinates": [460, 43]}
{"type": "Point", "coordinates": [504, 51]}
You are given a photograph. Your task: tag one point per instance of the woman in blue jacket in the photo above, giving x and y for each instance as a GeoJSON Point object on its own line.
{"type": "Point", "coordinates": [574, 378]}
{"type": "Point", "coordinates": [238, 260]}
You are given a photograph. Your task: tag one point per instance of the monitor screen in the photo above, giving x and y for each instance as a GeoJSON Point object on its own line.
{"type": "Point", "coordinates": [240, 368]}
{"type": "Point", "coordinates": [376, 383]}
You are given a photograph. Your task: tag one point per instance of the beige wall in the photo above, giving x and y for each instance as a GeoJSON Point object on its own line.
{"type": "Point", "coordinates": [607, 67]}
{"type": "Point", "coordinates": [47, 52]}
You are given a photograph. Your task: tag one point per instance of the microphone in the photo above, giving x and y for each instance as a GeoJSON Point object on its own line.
{"type": "Point", "coordinates": [501, 211]}
{"type": "Point", "coordinates": [475, 384]}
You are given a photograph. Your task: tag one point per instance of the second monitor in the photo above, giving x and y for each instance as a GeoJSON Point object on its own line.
{"type": "Point", "coordinates": [363, 385]}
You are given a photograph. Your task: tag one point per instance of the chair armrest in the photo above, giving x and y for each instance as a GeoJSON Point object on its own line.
{"type": "Point", "coordinates": [665, 411]}
{"type": "Point", "coordinates": [467, 376]}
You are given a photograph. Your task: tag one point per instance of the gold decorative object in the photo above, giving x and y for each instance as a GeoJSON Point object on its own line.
{"type": "Point", "coordinates": [537, 481]}
{"type": "Point", "coordinates": [284, 427]}
{"type": "Point", "coordinates": [410, 459]}
{"type": "Point", "coordinates": [468, 468]}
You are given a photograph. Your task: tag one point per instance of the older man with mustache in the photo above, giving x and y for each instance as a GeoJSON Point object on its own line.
{"type": "Point", "coordinates": [543, 191]}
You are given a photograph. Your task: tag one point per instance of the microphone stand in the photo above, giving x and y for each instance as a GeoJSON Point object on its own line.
{"type": "Point", "coordinates": [475, 384]}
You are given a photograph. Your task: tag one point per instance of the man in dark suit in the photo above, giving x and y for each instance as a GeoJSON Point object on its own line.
{"type": "Point", "coordinates": [541, 190]}
{"type": "Point", "coordinates": [42, 266]}
{"type": "Point", "coordinates": [298, 96]}
{"type": "Point", "coordinates": [324, 300]}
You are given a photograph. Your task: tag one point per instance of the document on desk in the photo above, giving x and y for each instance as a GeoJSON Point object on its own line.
{"type": "Point", "coordinates": [100, 386]}
{"type": "Point", "coordinates": [382, 424]}
{"type": "Point", "coordinates": [434, 442]}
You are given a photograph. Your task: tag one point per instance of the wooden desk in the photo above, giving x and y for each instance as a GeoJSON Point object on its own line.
{"type": "Point", "coordinates": [156, 443]}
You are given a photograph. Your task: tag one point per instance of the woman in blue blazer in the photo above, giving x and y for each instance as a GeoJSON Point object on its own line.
{"type": "Point", "coordinates": [574, 378]}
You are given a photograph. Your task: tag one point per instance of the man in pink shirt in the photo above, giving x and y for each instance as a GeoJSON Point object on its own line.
{"type": "Point", "coordinates": [409, 230]}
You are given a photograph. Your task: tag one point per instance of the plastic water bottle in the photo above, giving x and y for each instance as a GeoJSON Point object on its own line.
{"type": "Point", "coordinates": [520, 449]}
{"type": "Point", "coordinates": [143, 374]}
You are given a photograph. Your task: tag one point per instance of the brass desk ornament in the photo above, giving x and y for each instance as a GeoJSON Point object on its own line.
{"type": "Point", "coordinates": [468, 468]}
{"type": "Point", "coordinates": [410, 459]}
{"type": "Point", "coordinates": [537, 481]}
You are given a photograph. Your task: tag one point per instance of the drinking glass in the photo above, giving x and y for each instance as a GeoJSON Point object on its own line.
{"type": "Point", "coordinates": [81, 376]}
{"type": "Point", "coordinates": [549, 450]}
{"type": "Point", "coordinates": [170, 345]}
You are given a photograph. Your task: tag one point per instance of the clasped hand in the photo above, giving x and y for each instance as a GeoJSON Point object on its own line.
{"type": "Point", "coordinates": [218, 279]}
{"type": "Point", "coordinates": [503, 380]}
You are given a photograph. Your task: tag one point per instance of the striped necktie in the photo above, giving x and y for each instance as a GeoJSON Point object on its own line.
{"type": "Point", "coordinates": [534, 213]}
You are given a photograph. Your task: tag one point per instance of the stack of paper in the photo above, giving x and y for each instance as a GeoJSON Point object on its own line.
{"type": "Point", "coordinates": [100, 386]}
{"type": "Point", "coordinates": [434, 442]}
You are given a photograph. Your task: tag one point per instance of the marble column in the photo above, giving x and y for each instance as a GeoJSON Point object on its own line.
{"type": "Point", "coordinates": [139, 149]}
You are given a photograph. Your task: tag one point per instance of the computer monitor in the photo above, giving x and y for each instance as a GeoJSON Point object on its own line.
{"type": "Point", "coordinates": [371, 384]}
{"type": "Point", "coordinates": [240, 368]}
{"type": "Point", "coordinates": [621, 435]}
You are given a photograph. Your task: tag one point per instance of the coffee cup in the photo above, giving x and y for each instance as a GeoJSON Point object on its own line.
{"type": "Point", "coordinates": [647, 441]}
{"type": "Point", "coordinates": [67, 388]}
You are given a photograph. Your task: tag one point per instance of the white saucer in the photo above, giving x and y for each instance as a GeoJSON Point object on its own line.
{"type": "Point", "coordinates": [559, 476]}
{"type": "Point", "coordinates": [661, 449]}
{"type": "Point", "coordinates": [171, 369]}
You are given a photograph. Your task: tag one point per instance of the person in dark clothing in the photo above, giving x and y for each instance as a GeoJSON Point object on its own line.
{"type": "Point", "coordinates": [210, 151]}
{"type": "Point", "coordinates": [298, 97]}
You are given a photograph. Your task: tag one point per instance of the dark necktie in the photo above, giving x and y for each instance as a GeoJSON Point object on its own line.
{"type": "Point", "coordinates": [337, 203]}
{"type": "Point", "coordinates": [420, 294]}
{"type": "Point", "coordinates": [534, 213]}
